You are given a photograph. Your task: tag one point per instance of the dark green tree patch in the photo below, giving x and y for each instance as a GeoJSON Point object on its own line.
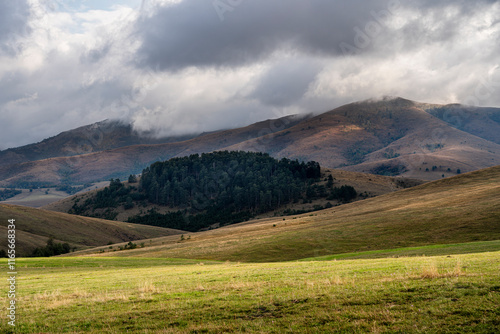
{"type": "Point", "coordinates": [212, 190]}
{"type": "Point", "coordinates": [8, 193]}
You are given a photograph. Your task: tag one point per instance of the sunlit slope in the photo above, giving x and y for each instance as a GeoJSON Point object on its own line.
{"type": "Point", "coordinates": [35, 226]}
{"type": "Point", "coordinates": [393, 136]}
{"type": "Point", "coordinates": [459, 209]}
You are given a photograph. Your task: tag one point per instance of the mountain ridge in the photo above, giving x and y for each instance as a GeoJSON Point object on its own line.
{"type": "Point", "coordinates": [96, 137]}
{"type": "Point", "coordinates": [392, 136]}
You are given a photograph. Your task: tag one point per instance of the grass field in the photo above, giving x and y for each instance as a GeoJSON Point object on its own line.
{"type": "Point", "coordinates": [421, 260]}
{"type": "Point", "coordinates": [442, 294]}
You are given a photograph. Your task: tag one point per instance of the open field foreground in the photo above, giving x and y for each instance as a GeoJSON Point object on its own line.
{"type": "Point", "coordinates": [443, 294]}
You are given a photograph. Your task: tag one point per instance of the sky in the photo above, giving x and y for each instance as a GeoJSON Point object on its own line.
{"type": "Point", "coordinates": [172, 67]}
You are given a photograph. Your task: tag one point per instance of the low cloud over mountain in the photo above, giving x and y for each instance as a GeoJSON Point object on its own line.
{"type": "Point", "coordinates": [175, 67]}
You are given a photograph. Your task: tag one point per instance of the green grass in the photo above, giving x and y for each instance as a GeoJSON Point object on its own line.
{"type": "Point", "coordinates": [432, 250]}
{"type": "Point", "coordinates": [444, 294]}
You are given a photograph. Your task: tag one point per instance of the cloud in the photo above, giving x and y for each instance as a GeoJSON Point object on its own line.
{"type": "Point", "coordinates": [190, 33]}
{"type": "Point", "coordinates": [173, 67]}
{"type": "Point", "coordinates": [286, 82]}
{"type": "Point", "coordinates": [14, 16]}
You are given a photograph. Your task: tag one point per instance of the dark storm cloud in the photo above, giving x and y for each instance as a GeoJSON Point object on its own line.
{"type": "Point", "coordinates": [14, 17]}
{"type": "Point", "coordinates": [191, 33]}
{"type": "Point", "coordinates": [285, 83]}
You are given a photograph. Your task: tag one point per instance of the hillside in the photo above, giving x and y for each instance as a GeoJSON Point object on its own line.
{"type": "Point", "coordinates": [101, 136]}
{"type": "Point", "coordinates": [392, 137]}
{"type": "Point", "coordinates": [460, 209]}
{"type": "Point", "coordinates": [388, 137]}
{"type": "Point", "coordinates": [366, 185]}
{"type": "Point", "coordinates": [35, 226]}
{"type": "Point", "coordinates": [481, 122]}
{"type": "Point", "coordinates": [120, 162]}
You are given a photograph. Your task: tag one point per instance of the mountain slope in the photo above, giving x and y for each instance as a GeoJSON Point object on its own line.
{"type": "Point", "coordinates": [481, 122]}
{"type": "Point", "coordinates": [387, 137]}
{"type": "Point", "coordinates": [123, 161]}
{"type": "Point", "coordinates": [35, 226]}
{"type": "Point", "coordinates": [95, 137]}
{"type": "Point", "coordinates": [460, 209]}
{"type": "Point", "coordinates": [394, 136]}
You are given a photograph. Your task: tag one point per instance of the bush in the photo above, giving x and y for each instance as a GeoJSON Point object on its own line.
{"type": "Point", "coordinates": [52, 249]}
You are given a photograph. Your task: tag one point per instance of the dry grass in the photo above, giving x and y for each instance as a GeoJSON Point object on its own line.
{"type": "Point", "coordinates": [35, 226]}
{"type": "Point", "coordinates": [456, 210]}
{"type": "Point", "coordinates": [431, 271]}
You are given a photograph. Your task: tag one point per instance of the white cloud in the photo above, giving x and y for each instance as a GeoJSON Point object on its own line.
{"type": "Point", "coordinates": [175, 67]}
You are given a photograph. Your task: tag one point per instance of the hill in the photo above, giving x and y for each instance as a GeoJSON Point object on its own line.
{"type": "Point", "coordinates": [35, 226]}
{"type": "Point", "coordinates": [95, 137]}
{"type": "Point", "coordinates": [481, 122]}
{"type": "Point", "coordinates": [392, 137]}
{"type": "Point", "coordinates": [459, 209]}
{"type": "Point", "coordinates": [387, 137]}
{"type": "Point", "coordinates": [367, 185]}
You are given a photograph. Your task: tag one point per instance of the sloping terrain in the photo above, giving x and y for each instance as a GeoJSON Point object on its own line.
{"type": "Point", "coordinates": [95, 137]}
{"type": "Point", "coordinates": [365, 184]}
{"type": "Point", "coordinates": [127, 160]}
{"type": "Point", "coordinates": [35, 226]}
{"type": "Point", "coordinates": [459, 209]}
{"type": "Point", "coordinates": [387, 137]}
{"type": "Point", "coordinates": [481, 122]}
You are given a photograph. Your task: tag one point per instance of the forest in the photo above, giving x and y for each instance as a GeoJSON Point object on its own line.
{"type": "Point", "coordinates": [216, 188]}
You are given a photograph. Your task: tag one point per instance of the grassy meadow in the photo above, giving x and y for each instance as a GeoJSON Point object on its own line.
{"type": "Point", "coordinates": [441, 294]}
{"type": "Point", "coordinates": [421, 260]}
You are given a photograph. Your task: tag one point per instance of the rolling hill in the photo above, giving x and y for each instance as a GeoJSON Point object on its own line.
{"type": "Point", "coordinates": [392, 136]}
{"type": "Point", "coordinates": [459, 209]}
{"type": "Point", "coordinates": [365, 184]}
{"type": "Point", "coordinates": [35, 226]}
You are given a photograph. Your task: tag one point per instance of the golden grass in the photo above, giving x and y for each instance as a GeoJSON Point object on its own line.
{"type": "Point", "coordinates": [431, 271]}
{"type": "Point", "coordinates": [35, 226]}
{"type": "Point", "coordinates": [456, 210]}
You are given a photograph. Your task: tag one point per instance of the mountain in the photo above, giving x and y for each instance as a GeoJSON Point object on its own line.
{"type": "Point", "coordinates": [127, 160]}
{"type": "Point", "coordinates": [458, 209]}
{"type": "Point", "coordinates": [481, 122]}
{"type": "Point", "coordinates": [387, 137]}
{"type": "Point", "coordinates": [35, 226]}
{"type": "Point", "coordinates": [392, 136]}
{"type": "Point", "coordinates": [96, 137]}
